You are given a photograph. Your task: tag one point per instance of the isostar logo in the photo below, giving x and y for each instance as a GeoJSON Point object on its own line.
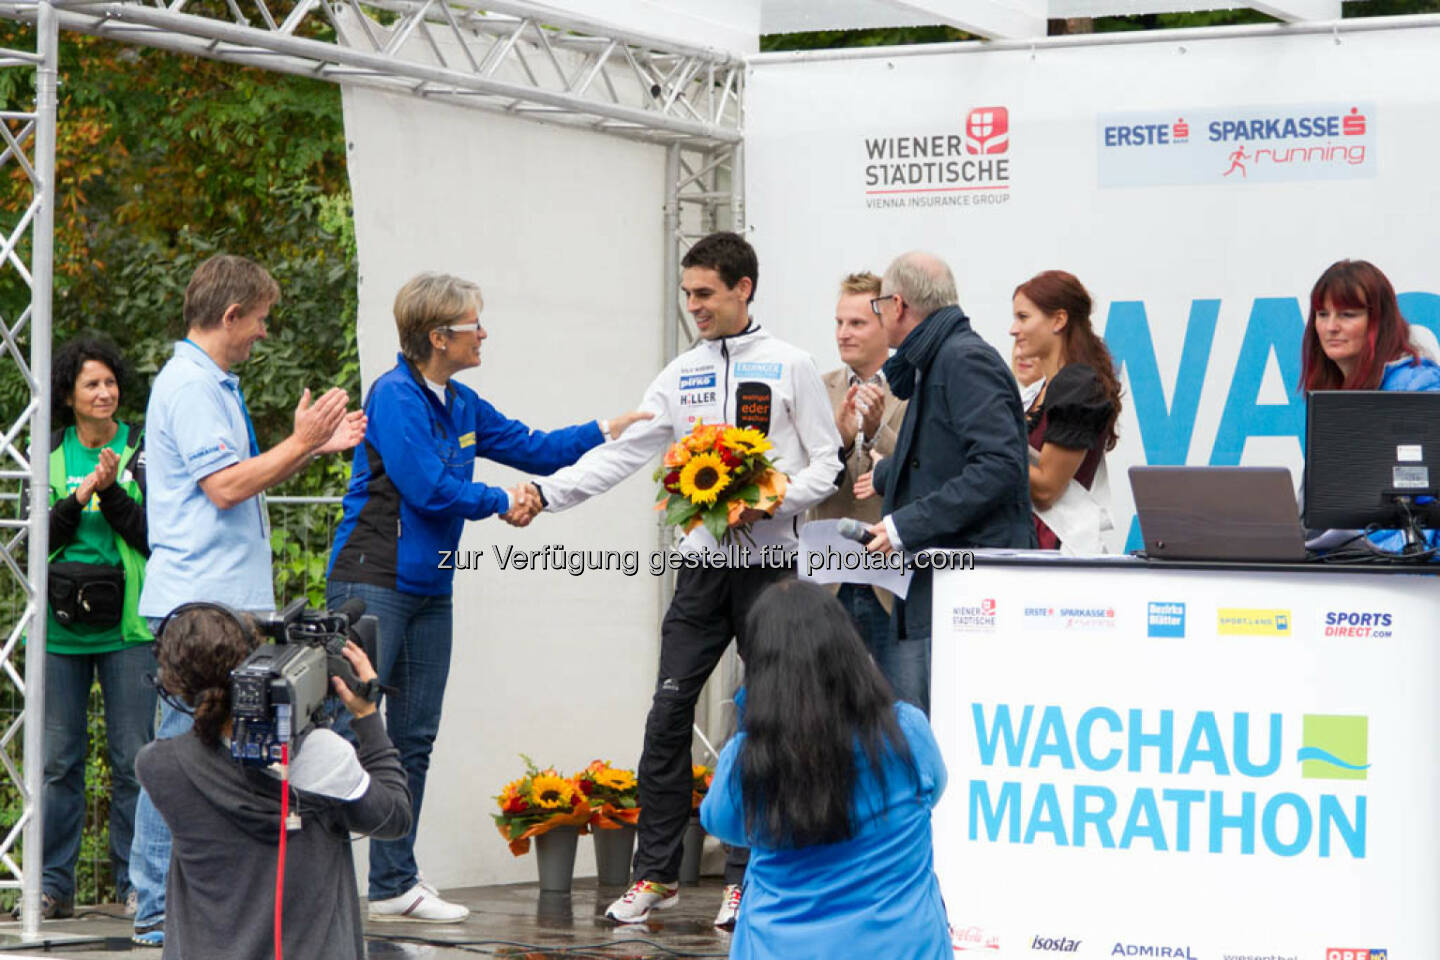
{"type": "Point", "coordinates": [1334, 747]}
{"type": "Point", "coordinates": [1252, 622]}
{"type": "Point", "coordinates": [976, 618]}
{"type": "Point", "coordinates": [964, 165]}
{"type": "Point", "coordinates": [1372, 624]}
{"type": "Point", "coordinates": [1055, 944]}
{"type": "Point", "coordinates": [1334, 141]}
{"type": "Point", "coordinates": [1357, 953]}
{"type": "Point", "coordinates": [988, 130]}
{"type": "Point", "coordinates": [1164, 619]}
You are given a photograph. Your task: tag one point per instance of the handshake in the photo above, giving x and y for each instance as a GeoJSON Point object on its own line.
{"type": "Point", "coordinates": [525, 497]}
{"type": "Point", "coordinates": [524, 505]}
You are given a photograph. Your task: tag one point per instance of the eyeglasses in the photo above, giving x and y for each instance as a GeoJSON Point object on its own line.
{"type": "Point", "coordinates": [875, 303]}
{"type": "Point", "coordinates": [461, 328]}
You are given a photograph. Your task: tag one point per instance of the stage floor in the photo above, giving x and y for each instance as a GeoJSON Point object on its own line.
{"type": "Point", "coordinates": [515, 920]}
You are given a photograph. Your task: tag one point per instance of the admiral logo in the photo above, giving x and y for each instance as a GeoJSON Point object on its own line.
{"type": "Point", "coordinates": [1252, 622]}
{"type": "Point", "coordinates": [1357, 953]}
{"type": "Point", "coordinates": [1165, 619]}
{"type": "Point", "coordinates": [964, 167]}
{"type": "Point", "coordinates": [695, 381]}
{"type": "Point", "coordinates": [1334, 747]}
{"type": "Point", "coordinates": [1301, 142]}
{"type": "Point", "coordinates": [973, 619]}
{"type": "Point", "coordinates": [1357, 623]}
{"type": "Point", "coordinates": [1055, 944]}
{"type": "Point", "coordinates": [1136, 950]}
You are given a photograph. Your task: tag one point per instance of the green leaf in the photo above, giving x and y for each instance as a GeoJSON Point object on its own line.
{"type": "Point", "coordinates": [717, 520]}
{"type": "Point", "coordinates": [680, 510]}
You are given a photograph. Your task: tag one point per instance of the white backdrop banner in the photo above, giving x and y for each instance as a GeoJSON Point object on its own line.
{"type": "Point", "coordinates": [1198, 189]}
{"type": "Point", "coordinates": [1187, 764]}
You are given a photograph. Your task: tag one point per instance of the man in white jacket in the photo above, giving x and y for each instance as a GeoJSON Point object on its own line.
{"type": "Point", "coordinates": [740, 374]}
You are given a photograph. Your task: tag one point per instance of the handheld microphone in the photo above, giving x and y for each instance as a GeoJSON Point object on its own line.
{"type": "Point", "coordinates": [856, 530]}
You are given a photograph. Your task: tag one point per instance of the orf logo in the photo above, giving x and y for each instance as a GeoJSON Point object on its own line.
{"type": "Point", "coordinates": [987, 130]}
{"type": "Point", "coordinates": [1354, 123]}
{"type": "Point", "coordinates": [1356, 953]}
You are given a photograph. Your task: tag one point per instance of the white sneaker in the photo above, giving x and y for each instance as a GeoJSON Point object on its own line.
{"type": "Point", "coordinates": [418, 905]}
{"type": "Point", "coordinates": [642, 897]}
{"type": "Point", "coordinates": [729, 907]}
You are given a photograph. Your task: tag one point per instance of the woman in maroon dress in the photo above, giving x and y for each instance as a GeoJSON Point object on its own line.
{"type": "Point", "coordinates": [1072, 421]}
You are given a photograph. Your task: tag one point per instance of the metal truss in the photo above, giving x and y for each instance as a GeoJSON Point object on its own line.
{"type": "Point", "coordinates": [507, 55]}
{"type": "Point", "coordinates": [27, 143]}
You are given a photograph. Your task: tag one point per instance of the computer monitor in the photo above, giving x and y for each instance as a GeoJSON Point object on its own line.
{"type": "Point", "coordinates": [1365, 451]}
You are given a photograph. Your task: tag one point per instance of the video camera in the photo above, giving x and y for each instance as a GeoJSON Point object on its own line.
{"type": "Point", "coordinates": [279, 691]}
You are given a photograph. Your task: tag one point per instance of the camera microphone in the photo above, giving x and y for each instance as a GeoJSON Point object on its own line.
{"type": "Point", "coordinates": [352, 609]}
{"type": "Point", "coordinates": [852, 529]}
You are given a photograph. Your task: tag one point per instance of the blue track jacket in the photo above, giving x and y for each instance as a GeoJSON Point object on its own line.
{"type": "Point", "coordinates": [412, 487]}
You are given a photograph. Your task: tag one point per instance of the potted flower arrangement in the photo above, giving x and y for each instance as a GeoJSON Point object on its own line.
{"type": "Point", "coordinates": [714, 475]}
{"type": "Point", "coordinates": [614, 798]}
{"type": "Point", "coordinates": [701, 776]}
{"type": "Point", "coordinates": [552, 809]}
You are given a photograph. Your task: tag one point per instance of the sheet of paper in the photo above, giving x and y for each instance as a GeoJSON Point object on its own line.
{"type": "Point", "coordinates": [827, 557]}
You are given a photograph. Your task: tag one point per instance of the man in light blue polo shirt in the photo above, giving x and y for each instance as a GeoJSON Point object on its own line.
{"type": "Point", "coordinates": [205, 504]}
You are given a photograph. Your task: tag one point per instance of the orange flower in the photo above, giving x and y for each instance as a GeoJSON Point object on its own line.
{"type": "Point", "coordinates": [678, 455]}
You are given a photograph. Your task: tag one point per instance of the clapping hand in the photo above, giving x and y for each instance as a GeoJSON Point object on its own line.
{"type": "Point", "coordinates": [865, 483]}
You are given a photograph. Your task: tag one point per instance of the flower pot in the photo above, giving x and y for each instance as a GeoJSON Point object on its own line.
{"type": "Point", "coordinates": [555, 857]}
{"type": "Point", "coordinates": [693, 843]}
{"type": "Point", "coordinates": [614, 850]}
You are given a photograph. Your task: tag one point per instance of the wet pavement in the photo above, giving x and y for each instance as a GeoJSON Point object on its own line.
{"type": "Point", "coordinates": [516, 921]}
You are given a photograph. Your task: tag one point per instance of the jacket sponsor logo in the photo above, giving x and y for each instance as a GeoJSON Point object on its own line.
{"type": "Point", "coordinates": [1357, 623]}
{"type": "Point", "coordinates": [467, 439]}
{"type": "Point", "coordinates": [695, 381]}
{"type": "Point", "coordinates": [1252, 622]}
{"type": "Point", "coordinates": [697, 398]}
{"type": "Point", "coordinates": [752, 406]}
{"type": "Point", "coordinates": [1164, 619]}
{"type": "Point", "coordinates": [216, 447]}
{"type": "Point", "coordinates": [759, 371]}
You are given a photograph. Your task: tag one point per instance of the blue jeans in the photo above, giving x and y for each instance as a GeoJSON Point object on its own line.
{"type": "Point", "coordinates": [414, 660]}
{"type": "Point", "coordinates": [905, 663]}
{"type": "Point", "coordinates": [150, 850]}
{"type": "Point", "coordinates": [129, 724]}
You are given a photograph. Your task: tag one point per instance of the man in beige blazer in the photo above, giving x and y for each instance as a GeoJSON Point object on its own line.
{"type": "Point", "coordinates": [868, 416]}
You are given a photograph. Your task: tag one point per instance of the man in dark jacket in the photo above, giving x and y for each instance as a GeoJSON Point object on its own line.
{"type": "Point", "coordinates": [959, 476]}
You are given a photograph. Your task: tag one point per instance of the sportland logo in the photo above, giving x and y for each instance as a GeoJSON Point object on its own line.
{"type": "Point", "coordinates": [1334, 747]}
{"type": "Point", "coordinates": [949, 166]}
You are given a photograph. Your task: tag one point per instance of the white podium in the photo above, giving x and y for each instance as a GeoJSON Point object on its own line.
{"type": "Point", "coordinates": [1200, 761]}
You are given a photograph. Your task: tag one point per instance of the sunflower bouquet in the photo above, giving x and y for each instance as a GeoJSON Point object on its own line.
{"type": "Point", "coordinates": [613, 795]}
{"type": "Point", "coordinates": [537, 803]}
{"type": "Point", "coordinates": [701, 777]}
{"type": "Point", "coordinates": [714, 475]}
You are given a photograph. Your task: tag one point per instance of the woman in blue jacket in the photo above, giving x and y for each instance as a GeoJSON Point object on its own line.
{"type": "Point", "coordinates": [1356, 339]}
{"type": "Point", "coordinates": [830, 783]}
{"type": "Point", "coordinates": [411, 491]}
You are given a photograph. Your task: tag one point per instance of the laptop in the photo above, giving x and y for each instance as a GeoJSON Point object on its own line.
{"type": "Point", "coordinates": [1239, 514]}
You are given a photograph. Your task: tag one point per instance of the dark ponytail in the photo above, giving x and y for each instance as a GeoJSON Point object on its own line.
{"type": "Point", "coordinates": [196, 650]}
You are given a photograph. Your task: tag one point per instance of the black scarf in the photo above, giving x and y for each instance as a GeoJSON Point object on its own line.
{"type": "Point", "coordinates": [918, 349]}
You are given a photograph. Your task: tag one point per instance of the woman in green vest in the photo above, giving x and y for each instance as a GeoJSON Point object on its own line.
{"type": "Point", "coordinates": [97, 564]}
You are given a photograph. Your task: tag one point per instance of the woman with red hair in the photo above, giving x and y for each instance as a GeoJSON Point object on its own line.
{"type": "Point", "coordinates": [1072, 420]}
{"type": "Point", "coordinates": [1356, 339]}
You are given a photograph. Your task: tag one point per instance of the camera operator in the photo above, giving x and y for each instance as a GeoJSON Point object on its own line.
{"type": "Point", "coordinates": [225, 817]}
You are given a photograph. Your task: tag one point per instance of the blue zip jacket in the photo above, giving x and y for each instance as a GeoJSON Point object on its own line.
{"type": "Point", "coordinates": [411, 487]}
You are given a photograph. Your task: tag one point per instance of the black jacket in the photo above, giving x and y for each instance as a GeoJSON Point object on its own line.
{"type": "Point", "coordinates": [960, 473]}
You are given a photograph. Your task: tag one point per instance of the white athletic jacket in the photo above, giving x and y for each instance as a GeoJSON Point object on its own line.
{"type": "Point", "coordinates": [749, 379]}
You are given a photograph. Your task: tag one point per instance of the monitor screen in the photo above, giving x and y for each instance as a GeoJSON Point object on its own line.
{"type": "Point", "coordinates": [1365, 449]}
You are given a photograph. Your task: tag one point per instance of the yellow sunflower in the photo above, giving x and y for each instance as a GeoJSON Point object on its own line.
{"type": "Point", "coordinates": [747, 441]}
{"type": "Point", "coordinates": [703, 478]}
{"type": "Point", "coordinates": [617, 780]}
{"type": "Point", "coordinates": [550, 792]}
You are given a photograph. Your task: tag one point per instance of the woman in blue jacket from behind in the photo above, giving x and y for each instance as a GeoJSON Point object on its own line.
{"type": "Point", "coordinates": [830, 783]}
{"type": "Point", "coordinates": [412, 488]}
{"type": "Point", "coordinates": [1356, 339]}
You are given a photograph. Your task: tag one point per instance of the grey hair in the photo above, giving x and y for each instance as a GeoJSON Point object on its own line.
{"type": "Point", "coordinates": [923, 280]}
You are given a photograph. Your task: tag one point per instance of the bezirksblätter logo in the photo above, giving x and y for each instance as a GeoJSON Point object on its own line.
{"type": "Point", "coordinates": [1164, 619]}
{"type": "Point", "coordinates": [956, 167]}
